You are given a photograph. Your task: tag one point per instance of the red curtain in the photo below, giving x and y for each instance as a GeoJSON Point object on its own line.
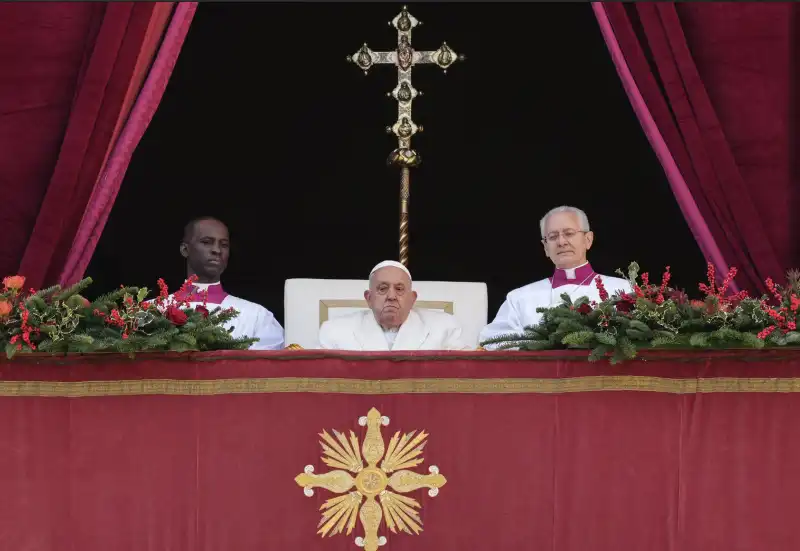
{"type": "Point", "coordinates": [74, 70]}
{"type": "Point", "coordinates": [126, 138]}
{"type": "Point", "coordinates": [718, 80]}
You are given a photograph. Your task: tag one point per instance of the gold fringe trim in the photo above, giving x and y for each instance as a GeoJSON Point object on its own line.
{"type": "Point", "coordinates": [602, 383]}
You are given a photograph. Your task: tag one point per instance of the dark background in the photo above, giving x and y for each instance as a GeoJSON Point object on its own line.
{"type": "Point", "coordinates": [266, 126]}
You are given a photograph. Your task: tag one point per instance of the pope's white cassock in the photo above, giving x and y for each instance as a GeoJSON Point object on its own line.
{"type": "Point", "coordinates": [254, 321]}
{"type": "Point", "coordinates": [422, 330]}
{"type": "Point", "coordinates": [519, 309]}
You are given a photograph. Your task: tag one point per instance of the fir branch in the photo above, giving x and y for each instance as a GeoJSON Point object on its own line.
{"type": "Point", "coordinates": [114, 297]}
{"type": "Point", "coordinates": [599, 352]}
{"type": "Point", "coordinates": [74, 289]}
{"type": "Point", "coordinates": [606, 338]}
{"type": "Point", "coordinates": [579, 338]}
{"type": "Point", "coordinates": [46, 293]}
{"type": "Point", "coordinates": [507, 337]}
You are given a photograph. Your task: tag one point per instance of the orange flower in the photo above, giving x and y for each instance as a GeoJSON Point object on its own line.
{"type": "Point", "coordinates": [5, 308]}
{"type": "Point", "coordinates": [14, 282]}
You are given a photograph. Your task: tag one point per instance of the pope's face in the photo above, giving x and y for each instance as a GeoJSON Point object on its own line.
{"type": "Point", "coordinates": [564, 242]}
{"type": "Point", "coordinates": [390, 297]}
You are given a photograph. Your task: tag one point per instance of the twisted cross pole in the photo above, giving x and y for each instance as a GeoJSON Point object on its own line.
{"type": "Point", "coordinates": [404, 58]}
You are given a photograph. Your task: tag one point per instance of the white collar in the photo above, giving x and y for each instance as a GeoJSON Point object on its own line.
{"type": "Point", "coordinates": [571, 271]}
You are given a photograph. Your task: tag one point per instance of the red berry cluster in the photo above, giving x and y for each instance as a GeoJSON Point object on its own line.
{"type": "Point", "coordinates": [785, 316]}
{"type": "Point", "coordinates": [649, 291]}
{"type": "Point", "coordinates": [26, 328]}
{"type": "Point", "coordinates": [711, 290]}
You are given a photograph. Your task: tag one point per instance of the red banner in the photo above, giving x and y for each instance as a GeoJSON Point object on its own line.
{"type": "Point", "coordinates": [689, 452]}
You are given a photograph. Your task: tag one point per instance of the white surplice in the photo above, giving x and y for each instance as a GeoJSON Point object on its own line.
{"type": "Point", "coordinates": [519, 309]}
{"type": "Point", "coordinates": [423, 330]}
{"type": "Point", "coordinates": [253, 322]}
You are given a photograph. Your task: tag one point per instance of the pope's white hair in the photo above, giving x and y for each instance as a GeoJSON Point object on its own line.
{"type": "Point", "coordinates": [582, 218]}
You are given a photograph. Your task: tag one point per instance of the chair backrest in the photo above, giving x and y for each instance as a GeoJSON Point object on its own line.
{"type": "Point", "coordinates": [310, 302]}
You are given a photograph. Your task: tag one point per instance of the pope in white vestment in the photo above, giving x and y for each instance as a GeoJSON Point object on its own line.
{"type": "Point", "coordinates": [392, 322]}
{"type": "Point", "coordinates": [567, 238]}
{"type": "Point", "coordinates": [205, 247]}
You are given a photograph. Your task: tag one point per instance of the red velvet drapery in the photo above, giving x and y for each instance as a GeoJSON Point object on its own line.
{"type": "Point", "coordinates": [73, 71]}
{"type": "Point", "coordinates": [718, 79]}
{"type": "Point", "coordinates": [199, 452]}
{"type": "Point", "coordinates": [147, 98]}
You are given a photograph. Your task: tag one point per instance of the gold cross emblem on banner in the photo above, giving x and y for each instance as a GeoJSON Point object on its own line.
{"type": "Point", "coordinates": [374, 494]}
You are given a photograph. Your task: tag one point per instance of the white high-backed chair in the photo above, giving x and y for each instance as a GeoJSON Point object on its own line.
{"type": "Point", "coordinates": [308, 303]}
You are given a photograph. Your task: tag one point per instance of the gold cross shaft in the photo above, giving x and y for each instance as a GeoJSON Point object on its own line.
{"type": "Point", "coordinates": [404, 58]}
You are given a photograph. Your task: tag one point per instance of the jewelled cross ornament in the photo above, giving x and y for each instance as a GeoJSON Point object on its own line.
{"type": "Point", "coordinates": [405, 58]}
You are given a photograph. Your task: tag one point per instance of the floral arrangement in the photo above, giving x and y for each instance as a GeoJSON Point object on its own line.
{"type": "Point", "coordinates": [657, 315]}
{"type": "Point", "coordinates": [57, 320]}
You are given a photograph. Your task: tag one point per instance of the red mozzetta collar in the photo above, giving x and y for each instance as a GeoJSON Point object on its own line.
{"type": "Point", "coordinates": [583, 276]}
{"type": "Point", "coordinates": [216, 294]}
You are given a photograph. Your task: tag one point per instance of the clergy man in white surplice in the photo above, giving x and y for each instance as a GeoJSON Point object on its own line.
{"type": "Point", "coordinates": [392, 322]}
{"type": "Point", "coordinates": [205, 246]}
{"type": "Point", "coordinates": [566, 238]}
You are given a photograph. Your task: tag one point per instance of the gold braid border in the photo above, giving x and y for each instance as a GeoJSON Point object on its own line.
{"type": "Point", "coordinates": [602, 383]}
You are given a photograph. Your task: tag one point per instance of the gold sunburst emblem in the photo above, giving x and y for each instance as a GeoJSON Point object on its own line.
{"type": "Point", "coordinates": [371, 481]}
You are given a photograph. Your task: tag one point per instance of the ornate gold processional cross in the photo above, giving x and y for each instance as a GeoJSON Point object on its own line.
{"type": "Point", "coordinates": [405, 58]}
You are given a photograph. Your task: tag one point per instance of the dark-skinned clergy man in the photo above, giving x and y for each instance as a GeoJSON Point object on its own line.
{"type": "Point", "coordinates": [392, 322]}
{"type": "Point", "coordinates": [567, 238]}
{"type": "Point", "coordinates": [206, 247]}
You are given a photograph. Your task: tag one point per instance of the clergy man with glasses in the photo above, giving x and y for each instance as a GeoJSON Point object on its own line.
{"type": "Point", "coordinates": [567, 238]}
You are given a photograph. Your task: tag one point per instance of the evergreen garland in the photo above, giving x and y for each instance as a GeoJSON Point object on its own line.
{"type": "Point", "coordinates": [659, 316]}
{"type": "Point", "coordinates": [56, 320]}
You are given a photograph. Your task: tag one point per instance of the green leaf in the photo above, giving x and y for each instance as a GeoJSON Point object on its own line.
{"type": "Point", "coordinates": [617, 357]}
{"type": "Point", "coordinates": [793, 337]}
{"type": "Point", "coordinates": [606, 338]}
{"type": "Point", "coordinates": [142, 294]}
{"type": "Point", "coordinates": [178, 346]}
{"type": "Point", "coordinates": [534, 345]}
{"type": "Point", "coordinates": [67, 293]}
{"type": "Point", "coordinates": [627, 348]}
{"type": "Point", "coordinates": [775, 338]}
{"type": "Point", "coordinates": [36, 302]}
{"type": "Point", "coordinates": [666, 335]}
{"type": "Point", "coordinates": [778, 340]}
{"type": "Point", "coordinates": [187, 339]}
{"type": "Point", "coordinates": [726, 334]}
{"type": "Point", "coordinates": [578, 338]}
{"type": "Point", "coordinates": [640, 326]}
{"type": "Point", "coordinates": [752, 341]}
{"type": "Point", "coordinates": [700, 340]}
{"type": "Point", "coordinates": [11, 350]}
{"type": "Point", "coordinates": [633, 271]}
{"type": "Point", "coordinates": [599, 352]}
{"type": "Point", "coordinates": [638, 335]}
{"type": "Point", "coordinates": [570, 326]}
